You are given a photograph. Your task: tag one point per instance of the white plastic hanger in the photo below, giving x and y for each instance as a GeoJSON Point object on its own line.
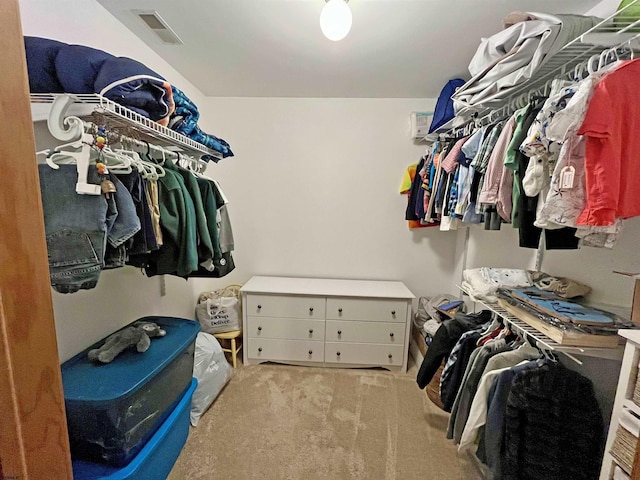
{"type": "Point", "coordinates": [115, 161]}
{"type": "Point", "coordinates": [149, 170]}
{"type": "Point", "coordinates": [82, 160]}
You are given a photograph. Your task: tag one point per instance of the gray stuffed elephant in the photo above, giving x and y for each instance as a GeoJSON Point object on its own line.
{"type": "Point", "coordinates": [139, 334]}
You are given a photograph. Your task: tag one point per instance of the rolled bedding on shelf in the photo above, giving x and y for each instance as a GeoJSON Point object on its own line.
{"type": "Point", "coordinates": [511, 57]}
{"type": "Point", "coordinates": [57, 67]}
{"type": "Point", "coordinates": [185, 121]}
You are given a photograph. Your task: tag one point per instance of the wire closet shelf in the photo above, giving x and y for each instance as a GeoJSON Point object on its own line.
{"type": "Point", "coordinates": [541, 339]}
{"type": "Point", "coordinates": [617, 33]}
{"type": "Point", "coordinates": [103, 111]}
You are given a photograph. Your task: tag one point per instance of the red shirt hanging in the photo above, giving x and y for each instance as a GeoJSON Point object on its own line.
{"type": "Point", "coordinates": [612, 162]}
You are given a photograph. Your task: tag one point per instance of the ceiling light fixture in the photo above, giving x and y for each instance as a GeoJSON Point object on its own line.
{"type": "Point", "coordinates": [335, 19]}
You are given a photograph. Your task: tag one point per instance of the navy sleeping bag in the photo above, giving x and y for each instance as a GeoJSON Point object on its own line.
{"type": "Point", "coordinates": [56, 67]}
{"type": "Point", "coordinates": [444, 106]}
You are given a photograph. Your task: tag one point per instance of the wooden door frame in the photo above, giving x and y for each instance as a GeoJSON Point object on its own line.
{"type": "Point", "coordinates": [34, 443]}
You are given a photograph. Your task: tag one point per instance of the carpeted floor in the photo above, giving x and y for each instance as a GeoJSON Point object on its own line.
{"type": "Point", "coordinates": [285, 422]}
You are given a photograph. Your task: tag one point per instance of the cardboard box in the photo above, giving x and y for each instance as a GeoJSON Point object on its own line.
{"type": "Point", "coordinates": [571, 338]}
{"type": "Point", "coordinates": [635, 306]}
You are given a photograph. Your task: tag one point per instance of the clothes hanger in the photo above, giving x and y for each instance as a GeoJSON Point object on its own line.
{"type": "Point", "coordinates": [82, 160]}
{"type": "Point", "coordinates": [148, 170]}
{"type": "Point", "coordinates": [115, 161]}
{"type": "Point", "coordinates": [61, 148]}
{"type": "Point", "coordinates": [53, 159]}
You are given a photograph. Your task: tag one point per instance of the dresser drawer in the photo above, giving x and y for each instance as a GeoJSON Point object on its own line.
{"type": "Point", "coordinates": [365, 332]}
{"type": "Point", "coordinates": [298, 306]}
{"type": "Point", "coordinates": [285, 350]}
{"type": "Point", "coordinates": [363, 354]}
{"type": "Point", "coordinates": [374, 309]}
{"type": "Point", "coordinates": [286, 328]}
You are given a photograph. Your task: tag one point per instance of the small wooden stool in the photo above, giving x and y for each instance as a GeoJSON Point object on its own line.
{"type": "Point", "coordinates": [231, 336]}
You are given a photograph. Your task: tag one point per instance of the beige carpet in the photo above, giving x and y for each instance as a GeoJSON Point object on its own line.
{"type": "Point", "coordinates": [284, 422]}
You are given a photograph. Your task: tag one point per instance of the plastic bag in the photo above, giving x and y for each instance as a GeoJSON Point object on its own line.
{"type": "Point", "coordinates": [219, 311]}
{"type": "Point", "coordinates": [211, 369]}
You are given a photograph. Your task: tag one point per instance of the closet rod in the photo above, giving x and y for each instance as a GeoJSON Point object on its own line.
{"type": "Point", "coordinates": [528, 331]}
{"type": "Point", "coordinates": [570, 351]}
{"type": "Point", "coordinates": [90, 127]}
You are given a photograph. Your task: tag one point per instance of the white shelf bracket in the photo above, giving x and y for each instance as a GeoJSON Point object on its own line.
{"type": "Point", "coordinates": [67, 129]}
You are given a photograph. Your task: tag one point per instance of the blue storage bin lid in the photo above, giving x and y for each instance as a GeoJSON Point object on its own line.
{"type": "Point", "coordinates": [87, 382]}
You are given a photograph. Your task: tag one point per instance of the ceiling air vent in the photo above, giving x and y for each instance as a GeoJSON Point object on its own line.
{"type": "Point", "coordinates": [157, 24]}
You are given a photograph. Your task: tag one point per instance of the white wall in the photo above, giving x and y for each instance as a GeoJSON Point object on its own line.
{"type": "Point", "coordinates": [591, 266]}
{"type": "Point", "coordinates": [595, 266]}
{"type": "Point", "coordinates": [314, 190]}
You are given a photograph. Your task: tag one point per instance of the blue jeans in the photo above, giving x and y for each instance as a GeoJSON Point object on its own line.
{"type": "Point", "coordinates": [127, 223]}
{"type": "Point", "coordinates": [77, 226]}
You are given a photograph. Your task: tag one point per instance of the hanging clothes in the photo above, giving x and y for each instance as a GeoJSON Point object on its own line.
{"type": "Point", "coordinates": [412, 184]}
{"type": "Point", "coordinates": [553, 426]}
{"type": "Point", "coordinates": [445, 339]}
{"type": "Point", "coordinates": [479, 408]}
{"type": "Point", "coordinates": [564, 203]}
{"type": "Point", "coordinates": [610, 127]}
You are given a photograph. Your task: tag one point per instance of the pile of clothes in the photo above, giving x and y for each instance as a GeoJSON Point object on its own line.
{"type": "Point", "coordinates": [483, 283]}
{"type": "Point", "coordinates": [57, 67]}
{"type": "Point", "coordinates": [511, 57]}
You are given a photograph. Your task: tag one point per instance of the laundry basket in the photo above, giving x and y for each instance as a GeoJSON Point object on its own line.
{"type": "Point", "coordinates": [219, 311]}
{"type": "Point", "coordinates": [433, 388]}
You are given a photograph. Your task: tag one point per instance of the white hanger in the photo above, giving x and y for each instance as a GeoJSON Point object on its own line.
{"type": "Point", "coordinates": [151, 171]}
{"type": "Point", "coordinates": [60, 148]}
{"type": "Point", "coordinates": [591, 68]}
{"type": "Point", "coordinates": [115, 161]}
{"type": "Point", "coordinates": [82, 160]}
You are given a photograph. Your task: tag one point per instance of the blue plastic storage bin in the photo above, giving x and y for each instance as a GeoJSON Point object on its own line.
{"type": "Point", "coordinates": [113, 409]}
{"type": "Point", "coordinates": [156, 459]}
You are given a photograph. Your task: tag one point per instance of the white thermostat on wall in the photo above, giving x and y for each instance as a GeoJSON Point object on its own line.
{"type": "Point", "coordinates": [420, 123]}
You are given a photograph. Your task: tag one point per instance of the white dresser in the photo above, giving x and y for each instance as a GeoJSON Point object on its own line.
{"type": "Point", "coordinates": [323, 322]}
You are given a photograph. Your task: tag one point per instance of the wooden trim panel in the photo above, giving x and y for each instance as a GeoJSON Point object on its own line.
{"type": "Point", "coordinates": [34, 442]}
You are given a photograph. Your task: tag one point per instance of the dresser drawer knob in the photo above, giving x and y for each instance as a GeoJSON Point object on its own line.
{"type": "Point", "coordinates": [310, 352]}
{"type": "Point", "coordinates": [339, 310]}
{"type": "Point", "coordinates": [310, 331]}
{"type": "Point", "coordinates": [391, 334]}
{"type": "Point", "coordinates": [259, 329]}
{"type": "Point", "coordinates": [339, 332]}
{"type": "Point", "coordinates": [393, 312]}
{"type": "Point", "coordinates": [310, 309]}
{"type": "Point", "coordinates": [338, 353]}
{"type": "Point", "coordinates": [390, 356]}
{"type": "Point", "coordinates": [259, 307]}
{"type": "Point", "coordinates": [259, 349]}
